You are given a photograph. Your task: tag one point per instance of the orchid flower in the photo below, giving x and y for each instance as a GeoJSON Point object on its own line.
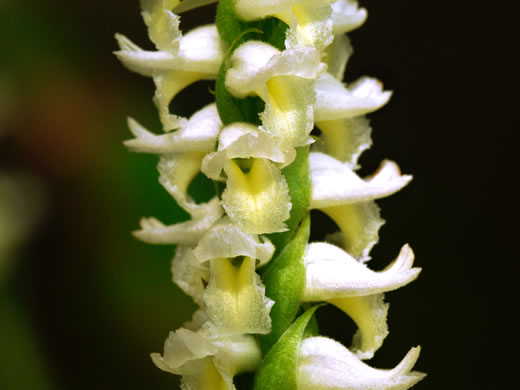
{"type": "Point", "coordinates": [244, 256]}
{"type": "Point", "coordinates": [205, 359]}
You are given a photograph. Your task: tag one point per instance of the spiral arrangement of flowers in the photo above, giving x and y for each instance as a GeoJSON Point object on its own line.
{"type": "Point", "coordinates": [244, 256]}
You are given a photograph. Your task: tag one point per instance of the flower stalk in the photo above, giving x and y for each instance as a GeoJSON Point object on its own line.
{"type": "Point", "coordinates": [244, 256]}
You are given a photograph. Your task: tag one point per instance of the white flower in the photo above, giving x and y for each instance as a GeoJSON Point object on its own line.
{"type": "Point", "coordinates": [334, 276]}
{"type": "Point", "coordinates": [181, 153]}
{"type": "Point", "coordinates": [337, 112]}
{"type": "Point", "coordinates": [257, 195]}
{"type": "Point", "coordinates": [325, 364]}
{"type": "Point", "coordinates": [284, 80]}
{"type": "Point", "coordinates": [180, 61]}
{"type": "Point", "coordinates": [348, 200]}
{"type": "Point", "coordinates": [225, 260]}
{"type": "Point", "coordinates": [206, 359]}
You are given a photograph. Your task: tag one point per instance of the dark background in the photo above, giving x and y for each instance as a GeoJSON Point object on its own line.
{"type": "Point", "coordinates": [85, 303]}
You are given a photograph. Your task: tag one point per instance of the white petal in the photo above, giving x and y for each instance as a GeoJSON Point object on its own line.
{"type": "Point", "coordinates": [334, 183]}
{"type": "Point", "coordinates": [189, 274]}
{"type": "Point", "coordinates": [184, 233]}
{"type": "Point", "coordinates": [258, 201]}
{"type": "Point", "coordinates": [227, 240]}
{"type": "Point", "coordinates": [163, 25]}
{"type": "Point", "coordinates": [325, 364]}
{"type": "Point", "coordinates": [202, 50]}
{"type": "Point", "coordinates": [237, 353]}
{"type": "Point", "coordinates": [240, 140]}
{"type": "Point", "coordinates": [235, 298]}
{"type": "Point", "coordinates": [198, 135]}
{"type": "Point", "coordinates": [344, 139]}
{"type": "Point", "coordinates": [346, 16]}
{"type": "Point", "coordinates": [333, 273]}
{"type": "Point", "coordinates": [142, 61]}
{"type": "Point", "coordinates": [254, 63]}
{"type": "Point", "coordinates": [183, 346]}
{"type": "Point", "coordinates": [359, 224]}
{"type": "Point", "coordinates": [335, 101]}
{"type": "Point", "coordinates": [288, 115]}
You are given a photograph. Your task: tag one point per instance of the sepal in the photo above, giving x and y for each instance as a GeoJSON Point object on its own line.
{"type": "Point", "coordinates": [346, 16]}
{"type": "Point", "coordinates": [335, 101]}
{"type": "Point", "coordinates": [198, 135]}
{"type": "Point", "coordinates": [333, 273]}
{"type": "Point", "coordinates": [335, 184]}
{"type": "Point", "coordinates": [184, 233]}
{"type": "Point", "coordinates": [325, 364]}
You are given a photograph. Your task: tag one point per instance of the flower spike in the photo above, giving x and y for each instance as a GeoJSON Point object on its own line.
{"type": "Point", "coordinates": [244, 256]}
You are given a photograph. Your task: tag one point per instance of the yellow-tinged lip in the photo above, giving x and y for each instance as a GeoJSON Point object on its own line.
{"type": "Point", "coordinates": [258, 201]}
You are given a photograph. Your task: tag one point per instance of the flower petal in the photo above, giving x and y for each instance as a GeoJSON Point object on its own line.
{"type": "Point", "coordinates": [333, 273]}
{"type": "Point", "coordinates": [163, 25]}
{"type": "Point", "coordinates": [346, 16]}
{"type": "Point", "coordinates": [325, 364]}
{"type": "Point", "coordinates": [227, 240]}
{"type": "Point", "coordinates": [184, 233]}
{"type": "Point", "coordinates": [240, 140]}
{"type": "Point", "coordinates": [235, 298]}
{"type": "Point", "coordinates": [258, 201]}
{"type": "Point", "coordinates": [189, 274]}
{"type": "Point", "coordinates": [198, 135]}
{"type": "Point", "coordinates": [334, 183]}
{"type": "Point", "coordinates": [335, 101]}
{"type": "Point", "coordinates": [254, 63]}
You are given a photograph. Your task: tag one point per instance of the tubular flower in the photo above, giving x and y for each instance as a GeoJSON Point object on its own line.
{"type": "Point", "coordinates": [244, 256]}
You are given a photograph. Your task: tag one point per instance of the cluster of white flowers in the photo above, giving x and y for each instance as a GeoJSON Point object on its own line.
{"type": "Point", "coordinates": [233, 253]}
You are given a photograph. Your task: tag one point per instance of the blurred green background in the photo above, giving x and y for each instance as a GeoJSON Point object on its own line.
{"type": "Point", "coordinates": [82, 303]}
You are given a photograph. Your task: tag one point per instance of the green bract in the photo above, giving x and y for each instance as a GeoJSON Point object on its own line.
{"type": "Point", "coordinates": [244, 256]}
